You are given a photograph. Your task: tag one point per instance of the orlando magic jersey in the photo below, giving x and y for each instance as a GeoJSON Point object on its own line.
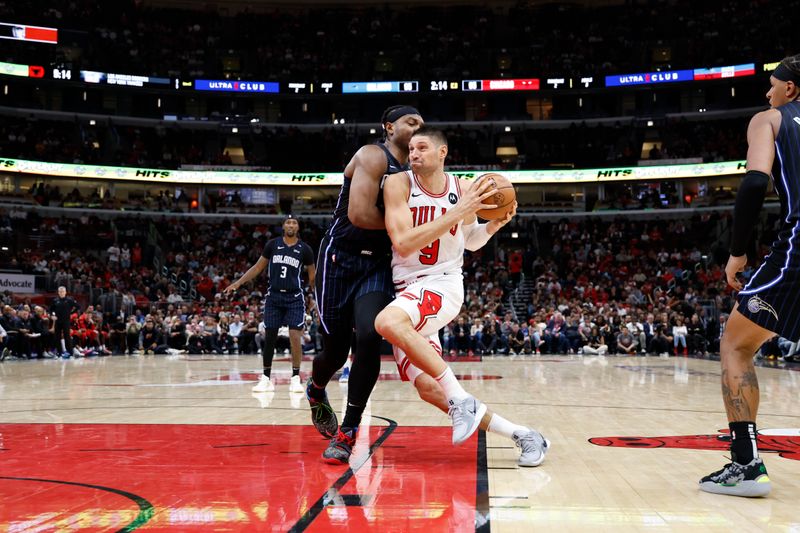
{"type": "Point", "coordinates": [786, 176]}
{"type": "Point", "coordinates": [286, 263]}
{"type": "Point", "coordinates": [770, 297]}
{"type": "Point", "coordinates": [344, 234]}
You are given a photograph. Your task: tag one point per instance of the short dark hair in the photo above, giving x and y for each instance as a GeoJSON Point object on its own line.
{"type": "Point", "coordinates": [792, 63]}
{"type": "Point", "coordinates": [434, 133]}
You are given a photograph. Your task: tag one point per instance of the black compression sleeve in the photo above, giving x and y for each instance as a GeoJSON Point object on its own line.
{"type": "Point", "coordinates": [749, 200]}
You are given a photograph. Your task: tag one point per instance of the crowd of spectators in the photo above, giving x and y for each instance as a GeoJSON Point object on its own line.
{"type": "Point", "coordinates": [126, 283]}
{"type": "Point", "coordinates": [623, 287]}
{"type": "Point", "coordinates": [357, 42]}
{"type": "Point", "coordinates": [587, 288]}
{"type": "Point", "coordinates": [579, 145]}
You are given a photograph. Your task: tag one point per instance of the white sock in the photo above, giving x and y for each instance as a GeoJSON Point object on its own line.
{"type": "Point", "coordinates": [63, 346]}
{"type": "Point", "coordinates": [504, 427]}
{"type": "Point", "coordinates": [452, 388]}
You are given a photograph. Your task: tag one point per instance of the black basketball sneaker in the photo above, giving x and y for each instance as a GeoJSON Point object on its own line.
{"type": "Point", "coordinates": [750, 480]}
{"type": "Point", "coordinates": [322, 415]}
{"type": "Point", "coordinates": [340, 448]}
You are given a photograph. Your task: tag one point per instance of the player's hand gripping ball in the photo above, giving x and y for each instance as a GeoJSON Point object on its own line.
{"type": "Point", "coordinates": [503, 197]}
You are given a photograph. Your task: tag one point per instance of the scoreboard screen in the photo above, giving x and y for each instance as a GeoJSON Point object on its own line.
{"type": "Point", "coordinates": [527, 84]}
{"type": "Point", "coordinates": [356, 87]}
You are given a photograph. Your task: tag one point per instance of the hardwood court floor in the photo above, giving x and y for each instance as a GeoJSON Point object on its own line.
{"type": "Point", "coordinates": [181, 444]}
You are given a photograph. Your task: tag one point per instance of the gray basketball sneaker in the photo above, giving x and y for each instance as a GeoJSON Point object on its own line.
{"type": "Point", "coordinates": [466, 415]}
{"type": "Point", "coordinates": [532, 445]}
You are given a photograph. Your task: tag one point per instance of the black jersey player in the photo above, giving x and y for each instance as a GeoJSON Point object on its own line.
{"type": "Point", "coordinates": [284, 304]}
{"type": "Point", "coordinates": [355, 280]}
{"type": "Point", "coordinates": [769, 303]}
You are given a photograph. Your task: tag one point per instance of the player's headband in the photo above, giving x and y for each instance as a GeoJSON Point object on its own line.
{"type": "Point", "coordinates": [401, 112]}
{"type": "Point", "coordinates": [783, 73]}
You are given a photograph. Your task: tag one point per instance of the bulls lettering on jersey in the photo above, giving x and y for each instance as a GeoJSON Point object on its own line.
{"type": "Point", "coordinates": [286, 263]}
{"type": "Point", "coordinates": [445, 255]}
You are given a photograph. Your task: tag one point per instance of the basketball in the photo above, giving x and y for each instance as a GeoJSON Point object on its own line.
{"type": "Point", "coordinates": [503, 197]}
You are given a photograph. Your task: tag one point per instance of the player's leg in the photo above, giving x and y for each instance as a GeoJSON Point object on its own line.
{"type": "Point", "coordinates": [531, 443]}
{"type": "Point", "coordinates": [363, 373]}
{"type": "Point", "coordinates": [296, 321]}
{"type": "Point", "coordinates": [334, 289]}
{"type": "Point", "coordinates": [344, 377]}
{"type": "Point", "coordinates": [419, 311]}
{"type": "Point", "coordinates": [334, 293]}
{"type": "Point", "coordinates": [746, 474]}
{"type": "Point", "coordinates": [273, 316]}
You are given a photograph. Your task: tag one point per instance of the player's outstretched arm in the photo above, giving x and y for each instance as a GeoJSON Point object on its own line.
{"type": "Point", "coordinates": [252, 273]}
{"type": "Point", "coordinates": [366, 170]}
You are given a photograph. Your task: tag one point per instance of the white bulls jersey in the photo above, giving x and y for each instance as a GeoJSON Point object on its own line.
{"type": "Point", "coordinates": [445, 255]}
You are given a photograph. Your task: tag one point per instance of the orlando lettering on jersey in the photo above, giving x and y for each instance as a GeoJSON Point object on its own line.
{"type": "Point", "coordinates": [286, 260]}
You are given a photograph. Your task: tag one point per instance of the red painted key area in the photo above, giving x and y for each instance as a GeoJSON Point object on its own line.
{"type": "Point", "coordinates": [111, 477]}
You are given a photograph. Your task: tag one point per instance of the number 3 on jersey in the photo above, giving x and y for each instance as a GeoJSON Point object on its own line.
{"type": "Point", "coordinates": [430, 254]}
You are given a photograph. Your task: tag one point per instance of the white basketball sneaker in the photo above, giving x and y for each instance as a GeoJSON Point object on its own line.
{"type": "Point", "coordinates": [533, 447]}
{"type": "Point", "coordinates": [466, 416]}
{"type": "Point", "coordinates": [264, 385]}
{"type": "Point", "coordinates": [295, 385]}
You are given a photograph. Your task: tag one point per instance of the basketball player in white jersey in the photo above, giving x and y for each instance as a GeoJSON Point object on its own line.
{"type": "Point", "coordinates": [431, 222]}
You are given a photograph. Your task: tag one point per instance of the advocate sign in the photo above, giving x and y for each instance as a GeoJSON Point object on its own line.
{"type": "Point", "coordinates": [17, 282]}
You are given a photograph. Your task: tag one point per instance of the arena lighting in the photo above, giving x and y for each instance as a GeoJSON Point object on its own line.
{"type": "Point", "coordinates": [506, 151]}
